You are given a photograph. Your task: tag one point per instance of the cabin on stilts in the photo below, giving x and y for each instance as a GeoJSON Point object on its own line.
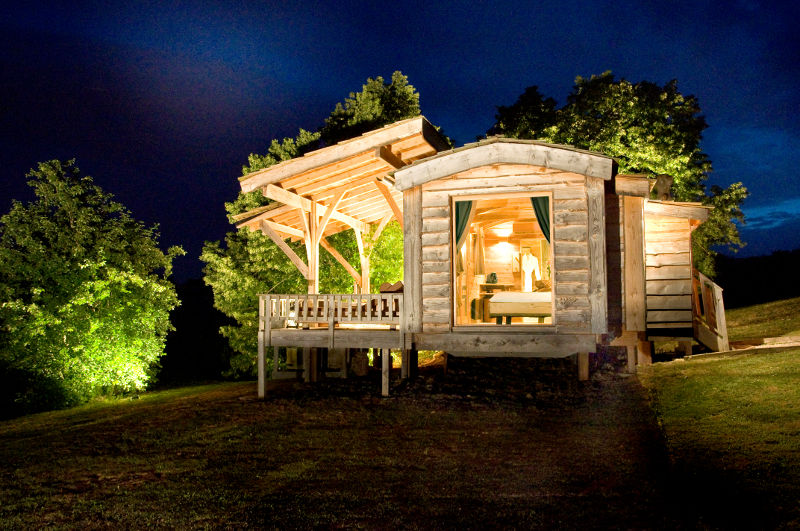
{"type": "Point", "coordinates": [512, 248]}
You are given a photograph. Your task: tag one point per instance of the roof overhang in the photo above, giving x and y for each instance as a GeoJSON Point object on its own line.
{"type": "Point", "coordinates": [346, 184]}
{"type": "Point", "coordinates": [498, 150]}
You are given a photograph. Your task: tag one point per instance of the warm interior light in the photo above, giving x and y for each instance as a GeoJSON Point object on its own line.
{"type": "Point", "coordinates": [503, 230]}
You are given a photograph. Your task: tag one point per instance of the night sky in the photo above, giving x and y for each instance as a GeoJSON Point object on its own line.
{"type": "Point", "coordinates": [161, 102]}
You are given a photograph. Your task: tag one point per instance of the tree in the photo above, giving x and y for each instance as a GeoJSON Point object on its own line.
{"type": "Point", "coordinates": [84, 295]}
{"type": "Point", "coordinates": [250, 263]}
{"type": "Point", "coordinates": [648, 129]}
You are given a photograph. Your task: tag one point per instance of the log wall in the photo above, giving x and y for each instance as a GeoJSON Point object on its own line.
{"type": "Point", "coordinates": [579, 286]}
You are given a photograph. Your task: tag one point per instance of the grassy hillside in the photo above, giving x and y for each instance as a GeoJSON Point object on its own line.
{"type": "Point", "coordinates": [773, 319]}
{"type": "Point", "coordinates": [732, 427]}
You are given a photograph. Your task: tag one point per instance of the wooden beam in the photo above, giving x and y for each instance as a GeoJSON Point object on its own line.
{"type": "Point", "coordinates": [382, 225]}
{"type": "Point", "coordinates": [398, 214]}
{"type": "Point", "coordinates": [385, 153]}
{"type": "Point", "coordinates": [632, 185]}
{"type": "Point", "coordinates": [327, 216]}
{"type": "Point", "coordinates": [289, 198]}
{"type": "Point", "coordinates": [275, 237]}
{"type": "Point", "coordinates": [364, 260]}
{"type": "Point", "coordinates": [634, 267]}
{"type": "Point", "coordinates": [291, 231]}
{"type": "Point", "coordinates": [253, 217]}
{"type": "Point", "coordinates": [679, 210]}
{"type": "Point", "coordinates": [339, 258]}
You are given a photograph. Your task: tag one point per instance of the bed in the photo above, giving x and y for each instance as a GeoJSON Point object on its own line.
{"type": "Point", "coordinates": [510, 304]}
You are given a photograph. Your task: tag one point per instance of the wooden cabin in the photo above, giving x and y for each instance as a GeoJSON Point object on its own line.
{"type": "Point", "coordinates": [512, 248]}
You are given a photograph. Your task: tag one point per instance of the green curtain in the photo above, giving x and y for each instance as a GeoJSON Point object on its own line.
{"type": "Point", "coordinates": [463, 208]}
{"type": "Point", "coordinates": [541, 206]}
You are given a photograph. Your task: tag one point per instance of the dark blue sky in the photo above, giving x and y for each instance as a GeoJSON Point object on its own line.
{"type": "Point", "coordinates": [161, 102]}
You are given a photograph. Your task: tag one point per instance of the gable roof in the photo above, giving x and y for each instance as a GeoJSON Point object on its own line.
{"type": "Point", "coordinates": [500, 150]}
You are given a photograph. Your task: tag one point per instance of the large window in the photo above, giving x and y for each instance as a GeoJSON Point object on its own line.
{"type": "Point", "coordinates": [502, 263]}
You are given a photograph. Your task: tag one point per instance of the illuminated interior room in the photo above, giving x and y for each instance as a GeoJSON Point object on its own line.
{"type": "Point", "coordinates": [503, 266]}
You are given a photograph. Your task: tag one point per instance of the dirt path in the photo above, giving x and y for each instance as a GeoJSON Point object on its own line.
{"type": "Point", "coordinates": [535, 450]}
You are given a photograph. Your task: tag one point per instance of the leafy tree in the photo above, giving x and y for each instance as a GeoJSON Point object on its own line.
{"type": "Point", "coordinates": [84, 295]}
{"type": "Point", "coordinates": [648, 129]}
{"type": "Point", "coordinates": [250, 263]}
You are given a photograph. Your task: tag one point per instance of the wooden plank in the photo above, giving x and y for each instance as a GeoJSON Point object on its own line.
{"type": "Point", "coordinates": [573, 288]}
{"type": "Point", "coordinates": [435, 253]}
{"type": "Point", "coordinates": [671, 316]}
{"type": "Point", "coordinates": [669, 287]}
{"type": "Point", "coordinates": [680, 246]}
{"type": "Point", "coordinates": [436, 316]}
{"type": "Point", "coordinates": [632, 185]}
{"type": "Point", "coordinates": [505, 344]}
{"type": "Point", "coordinates": [435, 238]}
{"type": "Point", "coordinates": [668, 272]}
{"type": "Point", "coordinates": [288, 198]}
{"type": "Point", "coordinates": [435, 304]}
{"type": "Point", "coordinates": [438, 266]}
{"type": "Point", "coordinates": [384, 190]}
{"type": "Point", "coordinates": [681, 210]}
{"type": "Point", "coordinates": [568, 263]}
{"type": "Point", "coordinates": [275, 237]}
{"type": "Point", "coordinates": [571, 248]}
{"type": "Point", "coordinates": [570, 233]}
{"type": "Point", "coordinates": [634, 269]}
{"type": "Point", "coordinates": [436, 290]}
{"type": "Point", "coordinates": [671, 302]}
{"type": "Point", "coordinates": [598, 290]}
{"type": "Point", "coordinates": [663, 259]}
{"type": "Point", "coordinates": [412, 260]}
{"type": "Point", "coordinates": [531, 182]}
{"type": "Point", "coordinates": [339, 258]}
{"type": "Point", "coordinates": [504, 151]}
{"type": "Point", "coordinates": [435, 224]}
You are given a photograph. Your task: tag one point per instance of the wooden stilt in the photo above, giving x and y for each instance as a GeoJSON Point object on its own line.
{"type": "Point", "coordinates": [262, 367]}
{"type": "Point", "coordinates": [631, 358]}
{"type": "Point", "coordinates": [644, 353]}
{"type": "Point", "coordinates": [413, 363]}
{"type": "Point", "coordinates": [404, 358]}
{"type": "Point", "coordinates": [314, 364]}
{"type": "Point", "coordinates": [583, 366]}
{"type": "Point", "coordinates": [385, 367]}
{"type": "Point", "coordinates": [686, 347]}
{"type": "Point", "coordinates": [306, 364]}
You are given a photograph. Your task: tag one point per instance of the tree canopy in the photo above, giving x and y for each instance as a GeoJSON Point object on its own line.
{"type": "Point", "coordinates": [84, 295]}
{"type": "Point", "coordinates": [249, 263]}
{"type": "Point", "coordinates": [648, 129]}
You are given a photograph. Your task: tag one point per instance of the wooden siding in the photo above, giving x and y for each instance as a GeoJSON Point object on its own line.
{"type": "Point", "coordinates": [578, 294]}
{"type": "Point", "coordinates": [668, 270]}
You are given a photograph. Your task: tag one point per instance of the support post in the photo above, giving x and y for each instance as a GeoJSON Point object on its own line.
{"type": "Point", "coordinates": [306, 364]}
{"type": "Point", "coordinates": [385, 367]}
{"type": "Point", "coordinates": [686, 347]}
{"type": "Point", "coordinates": [631, 358]}
{"type": "Point", "coordinates": [644, 353]}
{"type": "Point", "coordinates": [583, 366]}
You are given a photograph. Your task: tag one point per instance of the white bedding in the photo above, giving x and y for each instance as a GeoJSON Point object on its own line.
{"type": "Point", "coordinates": [517, 296]}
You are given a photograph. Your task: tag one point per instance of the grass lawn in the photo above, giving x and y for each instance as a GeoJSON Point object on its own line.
{"type": "Point", "coordinates": [773, 319]}
{"type": "Point", "coordinates": [732, 427]}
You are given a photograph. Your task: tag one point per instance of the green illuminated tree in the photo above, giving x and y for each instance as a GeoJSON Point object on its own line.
{"type": "Point", "coordinates": [648, 129]}
{"type": "Point", "coordinates": [250, 263]}
{"type": "Point", "coordinates": [84, 295]}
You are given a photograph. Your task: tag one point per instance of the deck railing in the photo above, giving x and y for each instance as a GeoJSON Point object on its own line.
{"type": "Point", "coordinates": [708, 309]}
{"type": "Point", "coordinates": [281, 311]}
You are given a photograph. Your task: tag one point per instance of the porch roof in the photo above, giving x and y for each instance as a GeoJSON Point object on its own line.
{"type": "Point", "coordinates": [347, 184]}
